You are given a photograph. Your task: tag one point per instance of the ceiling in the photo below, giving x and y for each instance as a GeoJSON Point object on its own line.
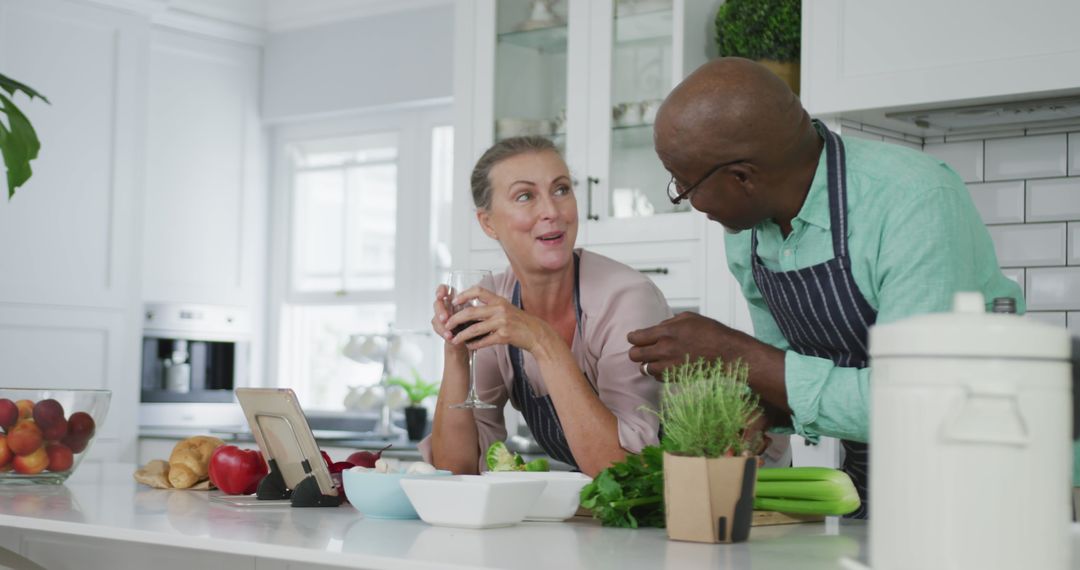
{"type": "Point", "coordinates": [281, 15]}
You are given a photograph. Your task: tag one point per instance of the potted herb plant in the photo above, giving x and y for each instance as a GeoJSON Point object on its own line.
{"type": "Point", "coordinates": [18, 140]}
{"type": "Point", "coordinates": [767, 31]}
{"type": "Point", "coordinates": [416, 390]}
{"type": "Point", "coordinates": [709, 472]}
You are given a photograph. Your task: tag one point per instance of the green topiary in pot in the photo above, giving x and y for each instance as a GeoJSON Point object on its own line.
{"type": "Point", "coordinates": [767, 31]}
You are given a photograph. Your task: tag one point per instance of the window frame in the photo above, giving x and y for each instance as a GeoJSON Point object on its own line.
{"type": "Point", "coordinates": [414, 282]}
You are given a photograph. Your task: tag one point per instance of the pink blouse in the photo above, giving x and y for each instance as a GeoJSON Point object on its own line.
{"type": "Point", "coordinates": [615, 299]}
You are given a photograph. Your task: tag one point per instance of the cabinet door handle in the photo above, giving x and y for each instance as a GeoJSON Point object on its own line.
{"type": "Point", "coordinates": [589, 215]}
{"type": "Point", "coordinates": [656, 270]}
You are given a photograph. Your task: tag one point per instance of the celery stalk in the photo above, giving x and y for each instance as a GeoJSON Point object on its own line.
{"type": "Point", "coordinates": [801, 507]}
{"type": "Point", "coordinates": [805, 490]}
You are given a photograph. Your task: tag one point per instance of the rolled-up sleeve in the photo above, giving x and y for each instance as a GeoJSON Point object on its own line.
{"type": "Point", "coordinates": [622, 387]}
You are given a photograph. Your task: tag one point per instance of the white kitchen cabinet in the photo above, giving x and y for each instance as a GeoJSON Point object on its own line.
{"type": "Point", "coordinates": [872, 55]}
{"type": "Point", "coordinates": [592, 81]}
{"type": "Point", "coordinates": [69, 306]}
{"type": "Point", "coordinates": [204, 212]}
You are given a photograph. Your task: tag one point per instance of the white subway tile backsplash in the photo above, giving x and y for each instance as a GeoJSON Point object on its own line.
{"type": "Point", "coordinates": [936, 139]}
{"type": "Point", "coordinates": [902, 142]}
{"type": "Point", "coordinates": [1074, 243]}
{"type": "Point", "coordinates": [1040, 156]}
{"type": "Point", "coordinates": [985, 135]}
{"type": "Point", "coordinates": [1074, 154]}
{"type": "Point", "coordinates": [1063, 127]}
{"type": "Point", "coordinates": [861, 135]}
{"type": "Point", "coordinates": [1053, 199]}
{"type": "Point", "coordinates": [1073, 320]}
{"type": "Point", "coordinates": [883, 132]}
{"type": "Point", "coordinates": [966, 158]}
{"type": "Point", "coordinates": [1029, 245]}
{"type": "Point", "coordinates": [1053, 289]}
{"type": "Point", "coordinates": [999, 202]}
{"type": "Point", "coordinates": [1056, 318]}
{"type": "Point", "coordinates": [1016, 274]}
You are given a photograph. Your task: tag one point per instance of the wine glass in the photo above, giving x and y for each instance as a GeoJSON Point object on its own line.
{"type": "Point", "coordinates": [461, 280]}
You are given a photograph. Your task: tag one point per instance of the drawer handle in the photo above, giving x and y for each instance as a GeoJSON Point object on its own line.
{"type": "Point", "coordinates": [589, 215]}
{"type": "Point", "coordinates": [655, 270]}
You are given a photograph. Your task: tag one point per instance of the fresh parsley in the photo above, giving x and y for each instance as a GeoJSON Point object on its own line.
{"type": "Point", "coordinates": [630, 493]}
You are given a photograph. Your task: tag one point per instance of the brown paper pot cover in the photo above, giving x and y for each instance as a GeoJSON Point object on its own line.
{"type": "Point", "coordinates": [709, 500]}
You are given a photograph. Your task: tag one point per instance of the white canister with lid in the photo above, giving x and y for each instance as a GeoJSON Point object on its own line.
{"type": "Point", "coordinates": [971, 451]}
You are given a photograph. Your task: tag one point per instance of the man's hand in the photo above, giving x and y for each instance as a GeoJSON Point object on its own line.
{"type": "Point", "coordinates": [671, 342]}
{"type": "Point", "coordinates": [687, 334]}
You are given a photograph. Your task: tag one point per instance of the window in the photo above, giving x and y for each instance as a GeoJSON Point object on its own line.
{"type": "Point", "coordinates": [345, 204]}
{"type": "Point", "coordinates": [366, 232]}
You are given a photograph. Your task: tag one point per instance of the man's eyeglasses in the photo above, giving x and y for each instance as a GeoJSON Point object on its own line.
{"type": "Point", "coordinates": [676, 194]}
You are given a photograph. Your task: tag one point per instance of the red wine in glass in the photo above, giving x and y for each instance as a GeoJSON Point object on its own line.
{"type": "Point", "coordinates": [460, 281]}
{"type": "Point", "coordinates": [460, 328]}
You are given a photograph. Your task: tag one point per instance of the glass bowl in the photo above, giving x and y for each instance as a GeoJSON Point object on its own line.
{"type": "Point", "coordinates": [47, 432]}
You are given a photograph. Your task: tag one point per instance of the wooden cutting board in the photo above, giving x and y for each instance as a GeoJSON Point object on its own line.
{"type": "Point", "coordinates": [769, 518]}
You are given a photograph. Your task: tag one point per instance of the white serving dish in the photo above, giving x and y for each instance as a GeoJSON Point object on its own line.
{"type": "Point", "coordinates": [472, 501]}
{"type": "Point", "coordinates": [561, 496]}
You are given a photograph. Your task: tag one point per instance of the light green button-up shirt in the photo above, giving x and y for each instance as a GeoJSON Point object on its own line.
{"type": "Point", "coordinates": [914, 238]}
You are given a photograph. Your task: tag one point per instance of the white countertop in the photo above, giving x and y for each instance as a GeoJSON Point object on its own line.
{"type": "Point", "coordinates": [102, 501]}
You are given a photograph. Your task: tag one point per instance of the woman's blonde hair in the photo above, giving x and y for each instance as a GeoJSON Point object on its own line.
{"type": "Point", "coordinates": [500, 151]}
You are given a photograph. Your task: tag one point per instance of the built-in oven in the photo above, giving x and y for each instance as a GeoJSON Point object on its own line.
{"type": "Point", "coordinates": [193, 356]}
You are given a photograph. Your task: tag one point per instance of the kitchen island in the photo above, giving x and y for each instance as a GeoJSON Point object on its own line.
{"type": "Point", "coordinates": [101, 518]}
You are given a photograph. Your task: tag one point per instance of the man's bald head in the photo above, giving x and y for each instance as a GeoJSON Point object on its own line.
{"type": "Point", "coordinates": [731, 106]}
{"type": "Point", "coordinates": [736, 131]}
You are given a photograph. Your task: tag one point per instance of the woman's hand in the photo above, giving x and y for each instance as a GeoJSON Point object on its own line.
{"type": "Point", "coordinates": [499, 322]}
{"type": "Point", "coordinates": [441, 315]}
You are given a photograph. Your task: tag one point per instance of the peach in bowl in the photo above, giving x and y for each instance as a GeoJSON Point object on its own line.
{"type": "Point", "coordinates": [47, 432]}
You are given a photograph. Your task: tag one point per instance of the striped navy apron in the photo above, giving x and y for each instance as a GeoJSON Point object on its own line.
{"type": "Point", "coordinates": [819, 309]}
{"type": "Point", "coordinates": [539, 412]}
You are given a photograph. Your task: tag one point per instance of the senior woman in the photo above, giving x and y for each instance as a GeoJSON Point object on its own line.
{"type": "Point", "coordinates": [551, 336]}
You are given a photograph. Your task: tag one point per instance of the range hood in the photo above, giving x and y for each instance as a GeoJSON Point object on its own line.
{"type": "Point", "coordinates": [1009, 114]}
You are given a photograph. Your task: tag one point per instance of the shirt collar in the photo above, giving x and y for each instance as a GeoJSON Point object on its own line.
{"type": "Point", "coordinates": [815, 209]}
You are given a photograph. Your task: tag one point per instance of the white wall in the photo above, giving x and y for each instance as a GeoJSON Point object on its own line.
{"type": "Point", "coordinates": [383, 60]}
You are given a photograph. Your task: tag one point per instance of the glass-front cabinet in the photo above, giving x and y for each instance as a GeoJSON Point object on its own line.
{"type": "Point", "coordinates": [590, 75]}
{"type": "Point", "coordinates": [530, 70]}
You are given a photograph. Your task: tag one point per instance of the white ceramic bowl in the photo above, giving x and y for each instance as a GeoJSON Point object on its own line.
{"type": "Point", "coordinates": [560, 498]}
{"type": "Point", "coordinates": [472, 501]}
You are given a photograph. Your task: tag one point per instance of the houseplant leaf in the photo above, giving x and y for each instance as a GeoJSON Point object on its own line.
{"type": "Point", "coordinates": [11, 86]}
{"type": "Point", "coordinates": [18, 140]}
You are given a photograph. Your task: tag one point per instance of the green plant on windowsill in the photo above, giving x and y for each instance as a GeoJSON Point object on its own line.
{"type": "Point", "coordinates": [767, 31]}
{"type": "Point", "coordinates": [416, 390]}
{"type": "Point", "coordinates": [18, 140]}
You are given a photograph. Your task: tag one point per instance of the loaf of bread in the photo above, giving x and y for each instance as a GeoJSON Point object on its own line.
{"type": "Point", "coordinates": [190, 460]}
